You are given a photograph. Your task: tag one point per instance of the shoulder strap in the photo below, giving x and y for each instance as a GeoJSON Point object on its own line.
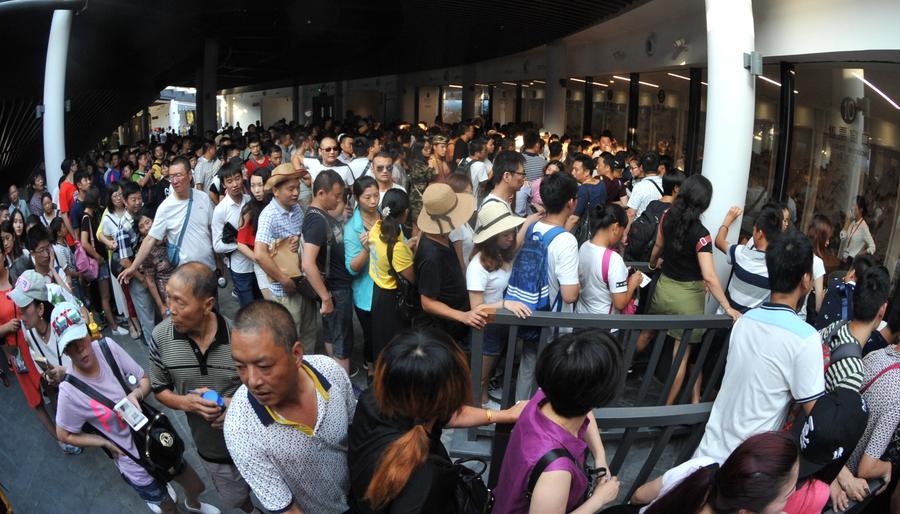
{"type": "Point", "coordinates": [113, 365]}
{"type": "Point", "coordinates": [329, 234]}
{"type": "Point", "coordinates": [550, 235]}
{"type": "Point", "coordinates": [656, 186]}
{"type": "Point", "coordinates": [187, 218]}
{"type": "Point", "coordinates": [89, 391]}
{"type": "Point", "coordinates": [876, 377]}
{"type": "Point", "coordinates": [547, 459]}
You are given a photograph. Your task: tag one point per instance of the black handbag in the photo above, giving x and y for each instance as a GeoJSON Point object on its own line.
{"type": "Point", "coordinates": [160, 448]}
{"type": "Point", "coordinates": [407, 292]}
{"type": "Point", "coordinates": [472, 495]}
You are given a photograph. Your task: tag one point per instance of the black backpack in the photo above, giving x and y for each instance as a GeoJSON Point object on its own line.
{"type": "Point", "coordinates": [642, 234]}
{"type": "Point", "coordinates": [464, 165]}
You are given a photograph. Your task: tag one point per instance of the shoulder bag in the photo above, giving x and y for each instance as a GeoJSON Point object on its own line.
{"type": "Point", "coordinates": [407, 293]}
{"type": "Point", "coordinates": [173, 250]}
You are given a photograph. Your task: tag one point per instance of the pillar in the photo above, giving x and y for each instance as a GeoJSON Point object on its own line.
{"type": "Point", "coordinates": [206, 92]}
{"type": "Point", "coordinates": [555, 89]}
{"type": "Point", "coordinates": [416, 92]}
{"type": "Point", "coordinates": [588, 110]}
{"type": "Point", "coordinates": [518, 104]}
{"type": "Point", "coordinates": [634, 100]}
{"type": "Point", "coordinates": [785, 132]}
{"type": "Point", "coordinates": [145, 124]}
{"type": "Point", "coordinates": [693, 124]}
{"type": "Point", "coordinates": [295, 103]}
{"type": "Point", "coordinates": [468, 93]}
{"type": "Point", "coordinates": [490, 120]}
{"type": "Point", "coordinates": [55, 97]}
{"type": "Point", "coordinates": [730, 100]}
{"type": "Point", "coordinates": [338, 111]}
{"type": "Point", "coordinates": [175, 118]}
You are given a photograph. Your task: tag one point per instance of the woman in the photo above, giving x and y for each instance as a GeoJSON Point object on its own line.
{"type": "Point", "coordinates": [606, 286]}
{"type": "Point", "coordinates": [18, 223]}
{"type": "Point", "coordinates": [461, 237]}
{"type": "Point", "coordinates": [87, 227]}
{"type": "Point", "coordinates": [37, 186]}
{"type": "Point", "coordinates": [486, 278]}
{"type": "Point", "coordinates": [12, 247]}
{"type": "Point", "coordinates": [759, 476]}
{"type": "Point", "coordinates": [551, 168]}
{"type": "Point", "coordinates": [855, 237]}
{"type": "Point", "coordinates": [246, 237]}
{"type": "Point", "coordinates": [577, 373]}
{"type": "Point", "coordinates": [688, 271]}
{"type": "Point", "coordinates": [818, 232]}
{"type": "Point", "coordinates": [420, 175]}
{"type": "Point", "coordinates": [397, 461]}
{"type": "Point", "coordinates": [114, 216]}
{"type": "Point", "coordinates": [386, 234]}
{"type": "Point", "coordinates": [356, 257]}
{"type": "Point", "coordinates": [48, 211]}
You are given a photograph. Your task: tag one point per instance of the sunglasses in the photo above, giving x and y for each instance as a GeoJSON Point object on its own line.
{"type": "Point", "coordinates": [330, 149]}
{"type": "Point", "coordinates": [384, 168]}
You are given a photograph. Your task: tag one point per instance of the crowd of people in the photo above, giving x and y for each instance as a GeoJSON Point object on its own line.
{"type": "Point", "coordinates": [421, 234]}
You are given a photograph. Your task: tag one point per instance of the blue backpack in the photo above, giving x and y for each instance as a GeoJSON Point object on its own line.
{"type": "Point", "coordinates": [528, 281]}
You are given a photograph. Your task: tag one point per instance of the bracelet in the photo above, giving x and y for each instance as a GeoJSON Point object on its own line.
{"type": "Point", "coordinates": [490, 416]}
{"type": "Point", "coordinates": [651, 267]}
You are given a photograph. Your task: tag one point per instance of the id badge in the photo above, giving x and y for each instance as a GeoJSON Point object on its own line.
{"type": "Point", "coordinates": [131, 414]}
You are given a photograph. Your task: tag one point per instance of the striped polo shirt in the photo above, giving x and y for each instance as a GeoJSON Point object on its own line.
{"type": "Point", "coordinates": [847, 372]}
{"type": "Point", "coordinates": [749, 284]}
{"type": "Point", "coordinates": [177, 364]}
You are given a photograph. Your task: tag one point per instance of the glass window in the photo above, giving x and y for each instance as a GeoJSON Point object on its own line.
{"type": "Point", "coordinates": [610, 107]}
{"type": "Point", "coordinates": [762, 158]}
{"type": "Point", "coordinates": [663, 113]}
{"type": "Point", "coordinates": [452, 100]}
{"type": "Point", "coordinates": [533, 103]}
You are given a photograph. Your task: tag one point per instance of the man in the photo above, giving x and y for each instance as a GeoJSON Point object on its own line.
{"type": "Point", "coordinates": [559, 193]}
{"type": "Point", "coordinates": [67, 194]}
{"type": "Point", "coordinates": [275, 156]}
{"type": "Point", "coordinates": [365, 149]}
{"type": "Point", "coordinates": [838, 302]}
{"type": "Point", "coordinates": [507, 179]}
{"type": "Point", "coordinates": [257, 159]}
{"type": "Point", "coordinates": [191, 355]}
{"type": "Point", "coordinates": [325, 268]}
{"type": "Point", "coordinates": [869, 306]}
{"type": "Point", "coordinates": [159, 153]}
{"type": "Point", "coordinates": [285, 144]}
{"type": "Point", "coordinates": [774, 357]}
{"type": "Point", "coordinates": [328, 159]}
{"type": "Point", "coordinates": [207, 166]}
{"type": "Point", "coordinates": [532, 151]}
{"type": "Point", "coordinates": [225, 222]}
{"type": "Point", "coordinates": [76, 409]}
{"type": "Point", "coordinates": [126, 247]}
{"type": "Point", "coordinates": [383, 166]}
{"type": "Point", "coordinates": [15, 202]}
{"type": "Point", "coordinates": [554, 151]}
{"type": "Point", "coordinates": [286, 427]}
{"type": "Point", "coordinates": [82, 183]}
{"type": "Point", "coordinates": [114, 172]}
{"type": "Point", "coordinates": [30, 296]}
{"type": "Point", "coordinates": [346, 142]}
{"type": "Point", "coordinates": [748, 286]}
{"type": "Point", "coordinates": [610, 170]}
{"type": "Point", "coordinates": [182, 221]}
{"type": "Point", "coordinates": [591, 191]}
{"type": "Point", "coordinates": [283, 219]}
{"type": "Point", "coordinates": [648, 189]}
{"type": "Point", "coordinates": [461, 148]}
{"type": "Point", "coordinates": [889, 333]}
{"type": "Point", "coordinates": [473, 164]}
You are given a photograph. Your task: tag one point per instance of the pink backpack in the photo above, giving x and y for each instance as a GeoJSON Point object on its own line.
{"type": "Point", "coordinates": [630, 308]}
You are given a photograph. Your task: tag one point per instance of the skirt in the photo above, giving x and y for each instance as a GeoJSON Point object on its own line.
{"type": "Point", "coordinates": [674, 297]}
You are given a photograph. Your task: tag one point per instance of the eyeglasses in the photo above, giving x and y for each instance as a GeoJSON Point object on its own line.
{"type": "Point", "coordinates": [522, 173]}
{"type": "Point", "coordinates": [45, 250]}
{"type": "Point", "coordinates": [178, 176]}
{"type": "Point", "coordinates": [330, 149]}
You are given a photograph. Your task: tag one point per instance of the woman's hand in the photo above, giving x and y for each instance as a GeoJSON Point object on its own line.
{"type": "Point", "coordinates": [364, 239]}
{"type": "Point", "coordinates": [605, 492]}
{"type": "Point", "coordinates": [515, 411]}
{"type": "Point", "coordinates": [518, 308]}
{"type": "Point", "coordinates": [733, 313]}
{"type": "Point", "coordinates": [10, 326]}
{"type": "Point", "coordinates": [55, 375]}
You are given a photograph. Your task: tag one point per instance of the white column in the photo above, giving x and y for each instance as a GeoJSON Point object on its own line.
{"type": "Point", "coordinates": [55, 97]}
{"type": "Point", "coordinates": [730, 102]}
{"type": "Point", "coordinates": [554, 92]}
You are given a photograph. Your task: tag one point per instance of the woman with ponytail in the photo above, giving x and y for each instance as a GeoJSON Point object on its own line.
{"type": "Point", "coordinates": [685, 247]}
{"type": "Point", "coordinates": [396, 459]}
{"type": "Point", "coordinates": [757, 478]}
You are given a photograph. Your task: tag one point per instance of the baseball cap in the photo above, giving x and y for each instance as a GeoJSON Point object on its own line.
{"type": "Point", "coordinates": [830, 432]}
{"type": "Point", "coordinates": [29, 287]}
{"type": "Point", "coordinates": [68, 325]}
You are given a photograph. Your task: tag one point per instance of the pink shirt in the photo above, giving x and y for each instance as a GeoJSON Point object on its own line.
{"type": "Point", "coordinates": [809, 499]}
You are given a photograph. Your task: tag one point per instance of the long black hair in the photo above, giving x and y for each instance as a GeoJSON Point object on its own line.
{"type": "Point", "coordinates": [254, 207]}
{"type": "Point", "coordinates": [692, 200]}
{"type": "Point", "coordinates": [394, 204]}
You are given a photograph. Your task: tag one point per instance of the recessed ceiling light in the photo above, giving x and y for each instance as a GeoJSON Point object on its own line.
{"type": "Point", "coordinates": [767, 79]}
{"type": "Point", "coordinates": [886, 97]}
{"type": "Point", "coordinates": [677, 76]}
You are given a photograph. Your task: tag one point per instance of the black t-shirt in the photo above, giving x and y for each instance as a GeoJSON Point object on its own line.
{"type": "Point", "coordinates": [460, 150]}
{"type": "Point", "coordinates": [439, 276]}
{"type": "Point", "coordinates": [683, 265]}
{"type": "Point", "coordinates": [431, 486]}
{"type": "Point", "coordinates": [89, 224]}
{"type": "Point", "coordinates": [157, 193]}
{"type": "Point", "coordinates": [316, 224]}
{"type": "Point", "coordinates": [614, 189]}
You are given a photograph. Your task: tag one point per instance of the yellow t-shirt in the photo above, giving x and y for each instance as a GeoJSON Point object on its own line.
{"type": "Point", "coordinates": [379, 270]}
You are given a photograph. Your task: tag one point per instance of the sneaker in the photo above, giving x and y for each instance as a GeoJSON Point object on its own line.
{"type": "Point", "coordinates": [204, 508]}
{"type": "Point", "coordinates": [135, 333]}
{"type": "Point", "coordinates": [155, 509]}
{"type": "Point", "coordinates": [120, 331]}
{"type": "Point", "coordinates": [68, 449]}
{"type": "Point", "coordinates": [353, 372]}
{"type": "Point", "coordinates": [490, 405]}
{"type": "Point", "coordinates": [234, 294]}
{"type": "Point", "coordinates": [495, 393]}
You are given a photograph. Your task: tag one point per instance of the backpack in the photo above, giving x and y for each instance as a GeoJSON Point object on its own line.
{"type": "Point", "coordinates": [528, 281]}
{"type": "Point", "coordinates": [643, 231]}
{"type": "Point", "coordinates": [464, 166]}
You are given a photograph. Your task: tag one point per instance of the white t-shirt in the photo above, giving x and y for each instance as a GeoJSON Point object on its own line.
{"type": "Point", "coordinates": [478, 172]}
{"type": "Point", "coordinates": [491, 283]}
{"type": "Point", "coordinates": [562, 262]}
{"type": "Point", "coordinates": [645, 192]}
{"type": "Point", "coordinates": [676, 475]}
{"type": "Point", "coordinates": [359, 167]}
{"type": "Point", "coordinates": [774, 357]}
{"type": "Point", "coordinates": [314, 166]}
{"type": "Point", "coordinates": [596, 295]}
{"type": "Point", "coordinates": [197, 242]}
{"type": "Point", "coordinates": [464, 234]}
{"type": "Point", "coordinates": [381, 193]}
{"type": "Point", "coordinates": [818, 271]}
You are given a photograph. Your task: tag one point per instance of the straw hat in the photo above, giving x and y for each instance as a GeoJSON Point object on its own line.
{"type": "Point", "coordinates": [443, 210]}
{"type": "Point", "coordinates": [281, 173]}
{"type": "Point", "coordinates": [494, 218]}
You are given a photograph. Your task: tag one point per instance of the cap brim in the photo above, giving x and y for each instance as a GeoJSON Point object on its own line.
{"type": "Point", "coordinates": [465, 206]}
{"type": "Point", "coordinates": [500, 227]}
{"type": "Point", "coordinates": [71, 335]}
{"type": "Point", "coordinates": [21, 299]}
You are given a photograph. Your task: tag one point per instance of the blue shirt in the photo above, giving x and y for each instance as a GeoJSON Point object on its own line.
{"type": "Point", "coordinates": [362, 283]}
{"type": "Point", "coordinates": [595, 194]}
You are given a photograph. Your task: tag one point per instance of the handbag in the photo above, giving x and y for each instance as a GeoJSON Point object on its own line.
{"type": "Point", "coordinates": [472, 495]}
{"type": "Point", "coordinates": [407, 293]}
{"type": "Point", "coordinates": [160, 448]}
{"type": "Point", "coordinates": [84, 264]}
{"type": "Point", "coordinates": [173, 250]}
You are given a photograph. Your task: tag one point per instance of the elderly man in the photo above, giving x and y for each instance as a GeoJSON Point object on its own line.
{"type": "Point", "coordinates": [328, 159]}
{"type": "Point", "coordinates": [286, 427]}
{"type": "Point", "coordinates": [182, 220]}
{"type": "Point", "coordinates": [190, 358]}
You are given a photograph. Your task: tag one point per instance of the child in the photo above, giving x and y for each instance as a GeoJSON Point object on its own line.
{"type": "Point", "coordinates": [65, 261]}
{"type": "Point", "coordinates": [157, 269]}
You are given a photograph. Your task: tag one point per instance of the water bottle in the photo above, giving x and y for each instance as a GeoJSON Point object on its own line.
{"type": "Point", "coordinates": [214, 397]}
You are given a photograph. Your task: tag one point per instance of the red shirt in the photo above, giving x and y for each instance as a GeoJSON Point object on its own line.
{"type": "Point", "coordinates": [67, 194]}
{"type": "Point", "coordinates": [252, 165]}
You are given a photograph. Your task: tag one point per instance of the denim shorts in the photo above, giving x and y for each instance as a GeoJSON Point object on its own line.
{"type": "Point", "coordinates": [103, 272]}
{"type": "Point", "coordinates": [339, 324]}
{"type": "Point", "coordinates": [154, 492]}
{"type": "Point", "coordinates": [495, 337]}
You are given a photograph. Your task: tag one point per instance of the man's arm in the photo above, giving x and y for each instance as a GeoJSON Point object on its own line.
{"type": "Point", "coordinates": [142, 254]}
{"type": "Point", "coordinates": [314, 276]}
{"type": "Point", "coordinates": [194, 403]}
{"type": "Point", "coordinates": [217, 226]}
{"type": "Point", "coordinates": [267, 263]}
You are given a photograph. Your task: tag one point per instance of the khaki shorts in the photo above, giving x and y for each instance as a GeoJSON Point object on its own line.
{"type": "Point", "coordinates": [229, 483]}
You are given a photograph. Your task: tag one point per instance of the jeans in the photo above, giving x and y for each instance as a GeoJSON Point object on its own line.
{"type": "Point", "coordinates": [245, 287]}
{"type": "Point", "coordinates": [525, 383]}
{"type": "Point", "coordinates": [144, 307]}
{"type": "Point", "coordinates": [339, 324]}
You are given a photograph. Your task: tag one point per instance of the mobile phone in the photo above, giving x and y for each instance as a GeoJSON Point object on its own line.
{"type": "Point", "coordinates": [131, 414]}
{"type": "Point", "coordinates": [42, 362]}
